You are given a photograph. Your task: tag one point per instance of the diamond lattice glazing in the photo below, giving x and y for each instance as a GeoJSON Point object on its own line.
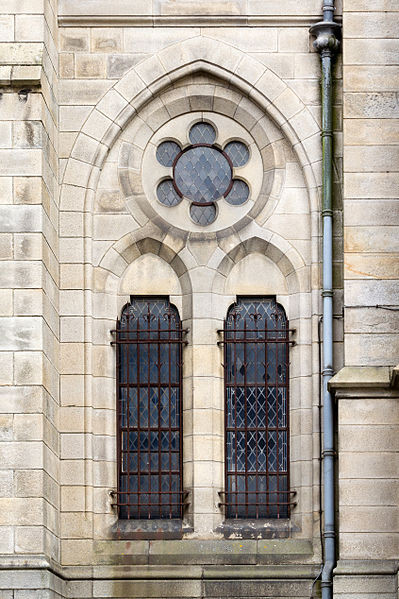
{"type": "Point", "coordinates": [202, 174]}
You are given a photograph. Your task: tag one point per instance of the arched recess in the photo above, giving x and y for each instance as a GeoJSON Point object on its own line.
{"type": "Point", "coordinates": [277, 269]}
{"type": "Point", "coordinates": [144, 82]}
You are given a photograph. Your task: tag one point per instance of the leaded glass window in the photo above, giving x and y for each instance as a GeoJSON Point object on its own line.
{"type": "Point", "coordinates": [203, 173]}
{"type": "Point", "coordinates": [256, 410]}
{"type": "Point", "coordinates": [149, 388]}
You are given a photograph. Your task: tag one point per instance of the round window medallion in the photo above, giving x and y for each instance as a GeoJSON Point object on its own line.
{"type": "Point", "coordinates": [202, 171]}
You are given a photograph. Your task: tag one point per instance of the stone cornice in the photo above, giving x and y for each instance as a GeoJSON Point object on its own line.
{"type": "Point", "coordinates": [369, 380]}
{"type": "Point", "coordinates": [115, 20]}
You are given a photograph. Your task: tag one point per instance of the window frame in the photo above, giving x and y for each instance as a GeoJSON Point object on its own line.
{"type": "Point", "coordinates": [282, 507]}
{"type": "Point", "coordinates": [175, 337]}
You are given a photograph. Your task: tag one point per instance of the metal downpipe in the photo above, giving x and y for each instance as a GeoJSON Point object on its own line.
{"type": "Point", "coordinates": [326, 43]}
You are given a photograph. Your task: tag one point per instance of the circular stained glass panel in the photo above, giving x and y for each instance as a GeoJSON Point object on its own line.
{"type": "Point", "coordinates": [202, 174]}
{"type": "Point", "coordinates": [237, 152]}
{"type": "Point", "coordinates": [167, 194]}
{"type": "Point", "coordinates": [238, 194]}
{"type": "Point", "coordinates": [202, 133]}
{"type": "Point", "coordinates": [167, 152]}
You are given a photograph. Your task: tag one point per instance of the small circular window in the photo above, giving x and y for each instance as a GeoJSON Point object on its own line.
{"type": "Point", "coordinates": [202, 173]}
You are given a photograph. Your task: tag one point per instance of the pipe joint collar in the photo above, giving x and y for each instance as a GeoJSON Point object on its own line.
{"type": "Point", "coordinates": [327, 35]}
{"type": "Point", "coordinates": [331, 454]}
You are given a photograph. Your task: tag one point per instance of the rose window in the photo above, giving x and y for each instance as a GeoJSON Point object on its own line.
{"type": "Point", "coordinates": [202, 173]}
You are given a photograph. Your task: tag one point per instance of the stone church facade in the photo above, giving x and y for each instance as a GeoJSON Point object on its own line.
{"type": "Point", "coordinates": [165, 156]}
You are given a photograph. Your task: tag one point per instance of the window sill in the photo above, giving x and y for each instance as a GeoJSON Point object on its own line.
{"type": "Point", "coordinates": [257, 529]}
{"type": "Point", "coordinates": [149, 529]}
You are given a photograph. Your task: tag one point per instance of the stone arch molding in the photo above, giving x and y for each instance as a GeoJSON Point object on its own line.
{"type": "Point", "coordinates": [144, 82]}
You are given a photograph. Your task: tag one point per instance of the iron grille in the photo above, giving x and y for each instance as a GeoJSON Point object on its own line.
{"type": "Point", "coordinates": [148, 340]}
{"type": "Point", "coordinates": [256, 343]}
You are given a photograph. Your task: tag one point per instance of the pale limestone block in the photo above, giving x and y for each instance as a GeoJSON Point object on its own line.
{"type": "Point", "coordinates": [372, 349]}
{"type": "Point", "coordinates": [373, 25]}
{"type": "Point", "coordinates": [71, 250]}
{"type": "Point", "coordinates": [28, 368]}
{"type": "Point", "coordinates": [73, 499]}
{"type": "Point", "coordinates": [112, 226]}
{"type": "Point", "coordinates": [28, 427]}
{"type": "Point", "coordinates": [371, 131]}
{"type": "Point", "coordinates": [6, 246]}
{"type": "Point", "coordinates": [21, 399]}
{"type": "Point", "coordinates": [103, 7]}
{"type": "Point", "coordinates": [75, 526]}
{"type": "Point", "coordinates": [97, 125]}
{"type": "Point", "coordinates": [71, 91]}
{"type": "Point", "coordinates": [20, 162]}
{"type": "Point", "coordinates": [21, 53]}
{"type": "Point", "coordinates": [289, 103]}
{"type": "Point", "coordinates": [5, 135]}
{"type": "Point", "coordinates": [6, 427]}
{"type": "Point", "coordinates": [90, 66]}
{"type": "Point", "coordinates": [130, 85]}
{"type": "Point", "coordinates": [307, 66]}
{"type": "Point", "coordinates": [29, 539]}
{"type": "Point", "coordinates": [363, 438]}
{"type": "Point", "coordinates": [19, 455]}
{"type": "Point", "coordinates": [150, 274]}
{"type": "Point", "coordinates": [27, 190]}
{"type": "Point", "coordinates": [21, 218]}
{"type": "Point", "coordinates": [66, 64]}
{"type": "Point", "coordinates": [71, 302]}
{"type": "Point", "coordinates": [71, 359]}
{"type": "Point", "coordinates": [22, 333]}
{"type": "Point", "coordinates": [246, 39]}
{"type": "Point", "coordinates": [103, 361]}
{"type": "Point", "coordinates": [7, 542]}
{"type": "Point", "coordinates": [291, 7]}
{"type": "Point", "coordinates": [71, 329]}
{"type": "Point", "coordinates": [359, 546]}
{"type": "Point", "coordinates": [73, 198]}
{"type": "Point", "coordinates": [150, 69]}
{"type": "Point", "coordinates": [72, 446]}
{"type": "Point", "coordinates": [371, 158]}
{"type": "Point", "coordinates": [382, 105]}
{"type": "Point", "coordinates": [74, 39]}
{"type": "Point", "coordinates": [73, 117]}
{"type": "Point", "coordinates": [77, 173]}
{"type": "Point", "coordinates": [367, 584]}
{"type": "Point", "coordinates": [106, 40]}
{"type": "Point", "coordinates": [71, 224]}
{"type": "Point", "coordinates": [6, 302]}
{"type": "Point", "coordinates": [6, 195]}
{"type": "Point", "coordinates": [29, 28]}
{"type": "Point", "coordinates": [72, 472]}
{"type": "Point", "coordinates": [151, 40]}
{"type": "Point", "coordinates": [368, 519]}
{"type": "Point", "coordinates": [208, 7]}
{"type": "Point", "coordinates": [368, 492]}
{"type": "Point", "coordinates": [304, 124]}
{"type": "Point", "coordinates": [371, 51]}
{"type": "Point", "coordinates": [7, 27]}
{"type": "Point", "coordinates": [364, 266]}
{"type": "Point", "coordinates": [112, 104]}
{"type": "Point", "coordinates": [104, 448]}
{"type": "Point", "coordinates": [119, 64]}
{"type": "Point", "coordinates": [28, 302]}
{"type": "Point", "coordinates": [381, 78]}
{"type": "Point", "coordinates": [293, 40]}
{"type": "Point", "coordinates": [372, 292]}
{"type": "Point", "coordinates": [28, 246]}
{"type": "Point", "coordinates": [270, 85]}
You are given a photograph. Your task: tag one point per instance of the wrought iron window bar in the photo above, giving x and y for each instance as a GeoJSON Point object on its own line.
{"type": "Point", "coordinates": [256, 338]}
{"type": "Point", "coordinates": [149, 341]}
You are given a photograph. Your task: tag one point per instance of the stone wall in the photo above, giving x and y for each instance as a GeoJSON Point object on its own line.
{"type": "Point", "coordinates": [82, 231]}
